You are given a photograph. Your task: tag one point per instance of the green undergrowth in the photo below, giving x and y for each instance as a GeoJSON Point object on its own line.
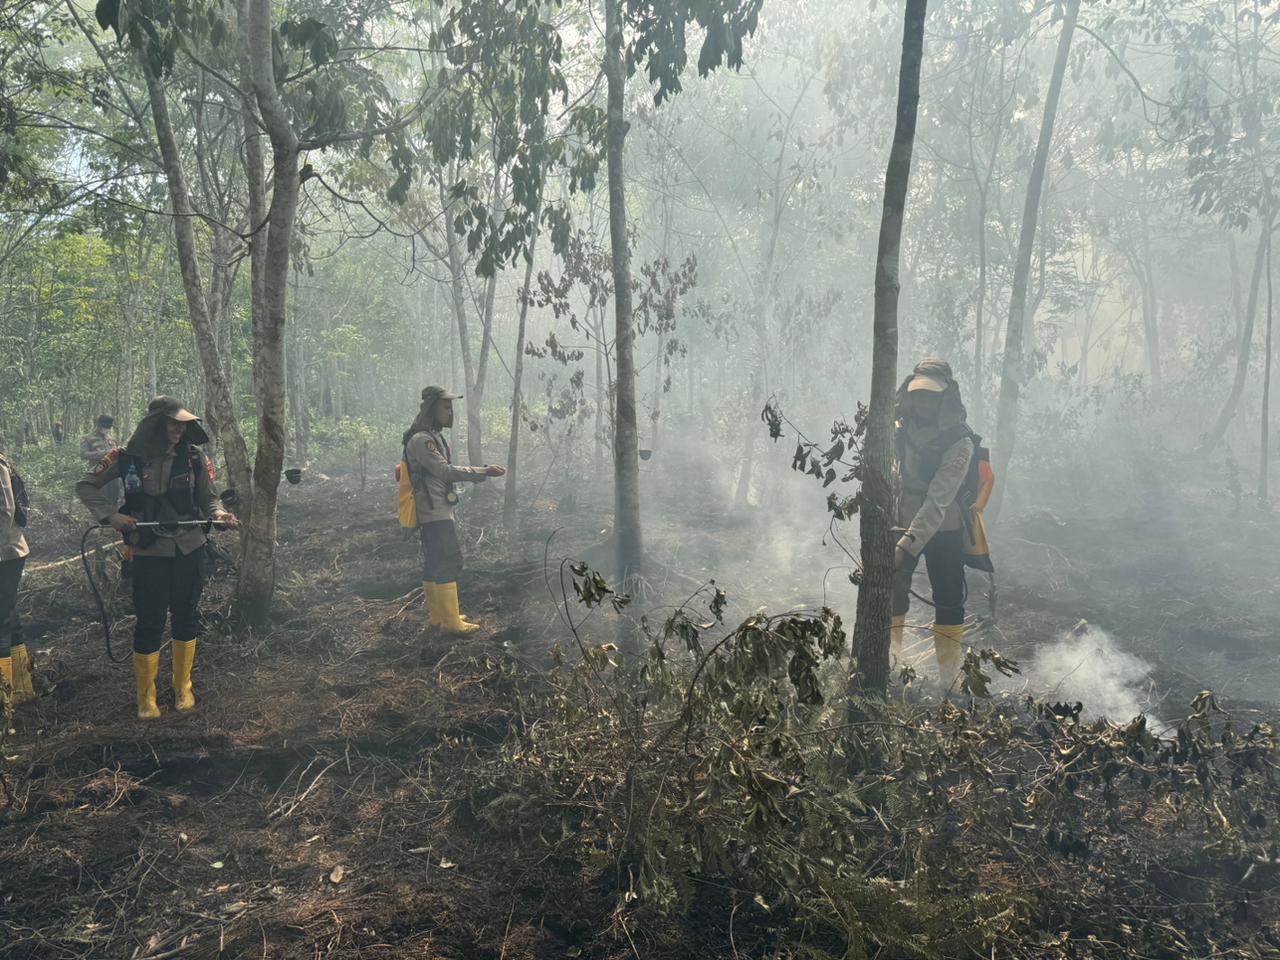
{"type": "Point", "coordinates": [728, 768]}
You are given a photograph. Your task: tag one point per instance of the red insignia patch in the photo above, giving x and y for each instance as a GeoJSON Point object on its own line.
{"type": "Point", "coordinates": [208, 466]}
{"type": "Point", "coordinates": [105, 463]}
{"type": "Point", "coordinates": [431, 446]}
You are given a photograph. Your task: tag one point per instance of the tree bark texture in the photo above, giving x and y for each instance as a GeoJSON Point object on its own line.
{"type": "Point", "coordinates": [256, 186]}
{"type": "Point", "coordinates": [475, 452]}
{"type": "Point", "coordinates": [517, 401]}
{"type": "Point", "coordinates": [221, 412]}
{"type": "Point", "coordinates": [475, 394]}
{"type": "Point", "coordinates": [1014, 370]}
{"type": "Point", "coordinates": [626, 459]}
{"type": "Point", "coordinates": [871, 629]}
{"type": "Point", "coordinates": [257, 572]}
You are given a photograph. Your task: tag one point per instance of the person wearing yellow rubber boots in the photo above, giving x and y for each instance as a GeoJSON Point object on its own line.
{"type": "Point", "coordinates": [15, 665]}
{"type": "Point", "coordinates": [166, 478]}
{"type": "Point", "coordinates": [434, 477]}
{"type": "Point", "coordinates": [933, 450]}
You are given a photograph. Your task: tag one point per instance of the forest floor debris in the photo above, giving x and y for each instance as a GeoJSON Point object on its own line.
{"type": "Point", "coordinates": [344, 742]}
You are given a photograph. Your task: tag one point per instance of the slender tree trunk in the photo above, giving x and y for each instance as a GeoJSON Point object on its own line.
{"type": "Point", "coordinates": [517, 400]}
{"type": "Point", "coordinates": [598, 325]}
{"type": "Point", "coordinates": [475, 395]}
{"type": "Point", "coordinates": [257, 574]}
{"type": "Point", "coordinates": [256, 186]}
{"type": "Point", "coordinates": [1150, 309]}
{"type": "Point", "coordinates": [1014, 369]}
{"type": "Point", "coordinates": [875, 593]}
{"type": "Point", "coordinates": [221, 408]}
{"type": "Point", "coordinates": [298, 393]}
{"type": "Point", "coordinates": [1234, 262]}
{"type": "Point", "coordinates": [475, 453]}
{"type": "Point", "coordinates": [979, 374]}
{"type": "Point", "coordinates": [626, 460]}
{"type": "Point", "coordinates": [1244, 346]}
{"type": "Point", "coordinates": [659, 361]}
{"type": "Point", "coordinates": [1264, 464]}
{"type": "Point", "coordinates": [747, 458]}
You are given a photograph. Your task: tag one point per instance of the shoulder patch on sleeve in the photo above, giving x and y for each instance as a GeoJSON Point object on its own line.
{"type": "Point", "coordinates": [431, 447]}
{"type": "Point", "coordinates": [106, 462]}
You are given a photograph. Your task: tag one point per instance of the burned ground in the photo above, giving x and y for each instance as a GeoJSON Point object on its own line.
{"type": "Point", "coordinates": [317, 803]}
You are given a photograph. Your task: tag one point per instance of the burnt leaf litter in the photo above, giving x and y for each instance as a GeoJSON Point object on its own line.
{"type": "Point", "coordinates": [353, 785]}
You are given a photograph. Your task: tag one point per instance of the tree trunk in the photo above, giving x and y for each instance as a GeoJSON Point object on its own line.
{"type": "Point", "coordinates": [659, 362]}
{"type": "Point", "coordinates": [871, 629]}
{"type": "Point", "coordinates": [1150, 309]}
{"type": "Point", "coordinates": [1234, 261]}
{"type": "Point", "coordinates": [1014, 369]}
{"type": "Point", "coordinates": [475, 453]}
{"type": "Point", "coordinates": [1244, 346]}
{"type": "Point", "coordinates": [601, 387]}
{"type": "Point", "coordinates": [257, 573]}
{"type": "Point", "coordinates": [517, 400]}
{"type": "Point", "coordinates": [1264, 464]}
{"type": "Point", "coordinates": [626, 460]}
{"type": "Point", "coordinates": [475, 394]}
{"type": "Point", "coordinates": [256, 185]}
{"type": "Point", "coordinates": [978, 392]}
{"type": "Point", "coordinates": [221, 408]}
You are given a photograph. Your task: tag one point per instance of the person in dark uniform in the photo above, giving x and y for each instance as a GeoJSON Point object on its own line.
{"type": "Point", "coordinates": [433, 476]}
{"type": "Point", "coordinates": [167, 478]}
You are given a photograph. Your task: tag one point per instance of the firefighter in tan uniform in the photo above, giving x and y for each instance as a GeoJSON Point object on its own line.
{"type": "Point", "coordinates": [166, 478]}
{"type": "Point", "coordinates": [15, 665]}
{"type": "Point", "coordinates": [434, 477]}
{"type": "Point", "coordinates": [97, 444]}
{"type": "Point", "coordinates": [934, 446]}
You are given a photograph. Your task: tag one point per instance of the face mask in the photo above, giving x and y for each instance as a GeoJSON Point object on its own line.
{"type": "Point", "coordinates": [922, 412]}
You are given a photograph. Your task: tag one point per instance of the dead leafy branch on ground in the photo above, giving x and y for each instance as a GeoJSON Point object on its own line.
{"type": "Point", "coordinates": [725, 768]}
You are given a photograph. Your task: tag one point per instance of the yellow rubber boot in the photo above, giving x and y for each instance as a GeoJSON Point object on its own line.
{"type": "Point", "coordinates": [184, 657]}
{"type": "Point", "coordinates": [897, 631]}
{"type": "Point", "coordinates": [948, 644]}
{"type": "Point", "coordinates": [435, 605]}
{"type": "Point", "coordinates": [6, 672]}
{"type": "Point", "coordinates": [450, 620]}
{"type": "Point", "coordinates": [23, 689]}
{"type": "Point", "coordinates": [145, 668]}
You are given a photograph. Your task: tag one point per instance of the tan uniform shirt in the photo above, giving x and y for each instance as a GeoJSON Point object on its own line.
{"type": "Point", "coordinates": [433, 475]}
{"type": "Point", "coordinates": [94, 446]}
{"type": "Point", "coordinates": [156, 478]}
{"type": "Point", "coordinates": [12, 543]}
{"type": "Point", "coordinates": [924, 513]}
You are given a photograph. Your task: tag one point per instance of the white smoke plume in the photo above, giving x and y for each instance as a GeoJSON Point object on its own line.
{"type": "Point", "coordinates": [1087, 665]}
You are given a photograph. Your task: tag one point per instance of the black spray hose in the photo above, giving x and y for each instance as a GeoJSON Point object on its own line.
{"type": "Point", "coordinates": [103, 616]}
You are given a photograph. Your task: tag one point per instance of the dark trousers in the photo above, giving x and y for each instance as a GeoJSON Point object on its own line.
{"type": "Point", "coordinates": [944, 559]}
{"type": "Point", "coordinates": [441, 551]}
{"type": "Point", "coordinates": [163, 588]}
{"type": "Point", "coordinates": [10, 630]}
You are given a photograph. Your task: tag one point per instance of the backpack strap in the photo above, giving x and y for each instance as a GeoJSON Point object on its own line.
{"type": "Point", "coordinates": [426, 488]}
{"type": "Point", "coordinates": [21, 500]}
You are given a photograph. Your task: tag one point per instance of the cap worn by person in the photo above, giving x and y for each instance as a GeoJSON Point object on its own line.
{"type": "Point", "coordinates": [439, 393]}
{"type": "Point", "coordinates": [172, 409]}
{"type": "Point", "coordinates": [930, 374]}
